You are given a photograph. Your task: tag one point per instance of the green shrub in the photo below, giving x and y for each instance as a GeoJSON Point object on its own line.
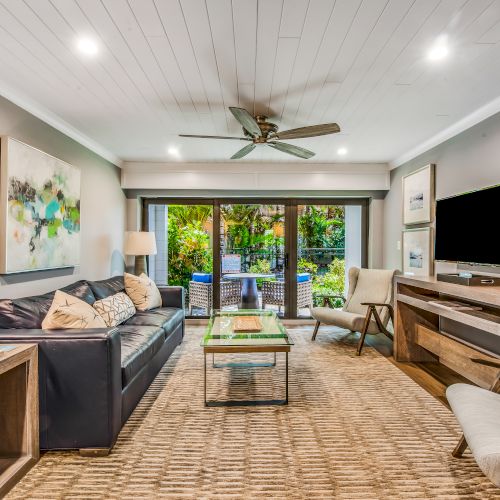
{"type": "Point", "coordinates": [330, 283]}
{"type": "Point", "coordinates": [262, 266]}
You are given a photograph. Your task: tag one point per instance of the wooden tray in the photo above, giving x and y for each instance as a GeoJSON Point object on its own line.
{"type": "Point", "coordinates": [247, 324]}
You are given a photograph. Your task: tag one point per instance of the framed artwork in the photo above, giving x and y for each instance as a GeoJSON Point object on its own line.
{"type": "Point", "coordinates": [418, 196]}
{"type": "Point", "coordinates": [417, 252]}
{"type": "Point", "coordinates": [39, 210]}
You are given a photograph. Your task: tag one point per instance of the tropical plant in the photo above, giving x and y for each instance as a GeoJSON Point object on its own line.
{"type": "Point", "coordinates": [262, 266]}
{"type": "Point", "coordinates": [306, 266]}
{"type": "Point", "coordinates": [188, 251]}
{"type": "Point", "coordinates": [330, 283]}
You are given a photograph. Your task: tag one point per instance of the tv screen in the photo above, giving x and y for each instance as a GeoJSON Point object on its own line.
{"type": "Point", "coordinates": [467, 227]}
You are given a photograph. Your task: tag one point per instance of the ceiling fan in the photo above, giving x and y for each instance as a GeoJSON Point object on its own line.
{"type": "Point", "coordinates": [259, 131]}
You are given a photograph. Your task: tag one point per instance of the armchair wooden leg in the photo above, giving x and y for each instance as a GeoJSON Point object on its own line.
{"type": "Point", "coordinates": [366, 324]}
{"type": "Point", "coordinates": [315, 332]}
{"type": "Point", "coordinates": [460, 448]}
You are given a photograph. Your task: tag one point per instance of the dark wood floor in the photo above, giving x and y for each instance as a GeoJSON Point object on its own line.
{"type": "Point", "coordinates": [433, 377]}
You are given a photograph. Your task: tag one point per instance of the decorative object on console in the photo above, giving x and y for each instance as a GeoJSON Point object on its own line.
{"type": "Point", "coordinates": [143, 291]}
{"type": "Point", "coordinates": [115, 309]}
{"type": "Point", "coordinates": [140, 244]}
{"type": "Point", "coordinates": [418, 196]}
{"type": "Point", "coordinates": [68, 311]}
{"type": "Point", "coordinates": [39, 210]}
{"type": "Point", "coordinates": [417, 252]}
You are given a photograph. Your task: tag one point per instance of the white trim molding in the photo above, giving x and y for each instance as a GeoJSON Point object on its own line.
{"type": "Point", "coordinates": [465, 123]}
{"type": "Point", "coordinates": [58, 123]}
{"type": "Point", "coordinates": [256, 176]}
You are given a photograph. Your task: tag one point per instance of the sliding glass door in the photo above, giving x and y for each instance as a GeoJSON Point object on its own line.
{"type": "Point", "coordinates": [284, 255]}
{"type": "Point", "coordinates": [252, 256]}
{"type": "Point", "coordinates": [329, 242]}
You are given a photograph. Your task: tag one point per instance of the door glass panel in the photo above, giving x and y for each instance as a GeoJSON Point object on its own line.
{"type": "Point", "coordinates": [329, 241]}
{"type": "Point", "coordinates": [252, 238]}
{"type": "Point", "coordinates": [184, 240]}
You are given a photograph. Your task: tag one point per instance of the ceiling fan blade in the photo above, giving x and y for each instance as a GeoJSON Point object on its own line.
{"type": "Point", "coordinates": [215, 137]}
{"type": "Point", "coordinates": [292, 150]}
{"type": "Point", "coordinates": [247, 121]}
{"type": "Point", "coordinates": [243, 152]}
{"type": "Point", "coordinates": [312, 131]}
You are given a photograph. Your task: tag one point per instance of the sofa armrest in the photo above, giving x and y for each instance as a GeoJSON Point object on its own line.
{"type": "Point", "coordinates": [172, 296]}
{"type": "Point", "coordinates": [79, 385]}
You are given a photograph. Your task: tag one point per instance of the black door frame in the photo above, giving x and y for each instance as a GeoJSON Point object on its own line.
{"type": "Point", "coordinates": [291, 216]}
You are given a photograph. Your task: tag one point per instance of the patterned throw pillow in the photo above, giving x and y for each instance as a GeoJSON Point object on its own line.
{"type": "Point", "coordinates": [143, 291]}
{"type": "Point", "coordinates": [115, 309]}
{"type": "Point", "coordinates": [67, 311]}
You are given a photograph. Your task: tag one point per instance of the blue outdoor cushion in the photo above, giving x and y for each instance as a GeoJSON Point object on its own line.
{"type": "Point", "coordinates": [202, 277]}
{"type": "Point", "coordinates": [301, 277]}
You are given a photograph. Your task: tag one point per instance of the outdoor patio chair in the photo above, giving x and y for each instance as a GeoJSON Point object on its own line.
{"type": "Point", "coordinates": [201, 294]}
{"type": "Point", "coordinates": [273, 293]}
{"type": "Point", "coordinates": [367, 307]}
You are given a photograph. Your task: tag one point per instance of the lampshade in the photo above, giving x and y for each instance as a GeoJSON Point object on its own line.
{"type": "Point", "coordinates": [140, 243]}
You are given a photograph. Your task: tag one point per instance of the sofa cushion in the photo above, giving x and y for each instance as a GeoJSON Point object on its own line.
{"type": "Point", "coordinates": [165, 317]}
{"type": "Point", "coordinates": [107, 287]}
{"type": "Point", "coordinates": [29, 312]}
{"type": "Point", "coordinates": [67, 311]}
{"type": "Point", "coordinates": [115, 309]}
{"type": "Point", "coordinates": [138, 346]}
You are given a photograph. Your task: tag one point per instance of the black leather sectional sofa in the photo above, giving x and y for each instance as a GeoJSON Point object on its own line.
{"type": "Point", "coordinates": [91, 380]}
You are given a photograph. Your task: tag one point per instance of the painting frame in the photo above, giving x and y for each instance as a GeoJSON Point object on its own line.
{"type": "Point", "coordinates": [417, 247]}
{"type": "Point", "coordinates": [419, 197]}
{"type": "Point", "coordinates": [40, 213]}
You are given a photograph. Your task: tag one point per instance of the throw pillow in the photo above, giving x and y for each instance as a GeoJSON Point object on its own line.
{"type": "Point", "coordinates": [143, 291]}
{"type": "Point", "coordinates": [67, 311]}
{"type": "Point", "coordinates": [115, 309]}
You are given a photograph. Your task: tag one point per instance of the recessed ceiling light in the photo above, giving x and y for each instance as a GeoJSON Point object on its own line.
{"type": "Point", "coordinates": [342, 151]}
{"type": "Point", "coordinates": [87, 46]}
{"type": "Point", "coordinates": [173, 151]}
{"type": "Point", "coordinates": [439, 50]}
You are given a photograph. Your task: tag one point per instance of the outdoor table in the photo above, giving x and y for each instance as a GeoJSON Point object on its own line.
{"type": "Point", "coordinates": [249, 292]}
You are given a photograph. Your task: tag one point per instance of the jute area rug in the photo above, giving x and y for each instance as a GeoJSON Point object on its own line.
{"type": "Point", "coordinates": [355, 428]}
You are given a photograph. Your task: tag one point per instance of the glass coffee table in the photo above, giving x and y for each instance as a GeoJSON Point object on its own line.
{"type": "Point", "coordinates": [221, 338]}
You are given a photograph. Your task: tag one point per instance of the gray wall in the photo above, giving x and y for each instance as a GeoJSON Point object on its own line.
{"type": "Point", "coordinates": [103, 212]}
{"type": "Point", "coordinates": [468, 161]}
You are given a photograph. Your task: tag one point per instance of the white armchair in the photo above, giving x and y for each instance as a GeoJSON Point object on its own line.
{"type": "Point", "coordinates": [367, 307]}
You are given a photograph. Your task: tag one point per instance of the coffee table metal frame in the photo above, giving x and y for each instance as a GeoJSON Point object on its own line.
{"type": "Point", "coordinates": [245, 349]}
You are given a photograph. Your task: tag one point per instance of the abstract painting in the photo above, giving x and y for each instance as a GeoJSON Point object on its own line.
{"type": "Point", "coordinates": [40, 210]}
{"type": "Point", "coordinates": [417, 252]}
{"type": "Point", "coordinates": [418, 196]}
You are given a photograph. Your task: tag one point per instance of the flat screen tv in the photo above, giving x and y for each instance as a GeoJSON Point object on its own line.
{"type": "Point", "coordinates": [468, 227]}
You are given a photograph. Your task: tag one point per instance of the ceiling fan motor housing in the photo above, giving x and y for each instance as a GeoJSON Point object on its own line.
{"type": "Point", "coordinates": [266, 128]}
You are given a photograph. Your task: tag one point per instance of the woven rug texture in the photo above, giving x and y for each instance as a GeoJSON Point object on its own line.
{"type": "Point", "coordinates": [355, 428]}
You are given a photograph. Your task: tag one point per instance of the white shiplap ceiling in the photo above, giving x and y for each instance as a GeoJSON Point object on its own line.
{"type": "Point", "coordinates": [174, 66]}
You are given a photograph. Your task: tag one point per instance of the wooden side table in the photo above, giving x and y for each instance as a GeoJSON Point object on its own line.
{"type": "Point", "coordinates": [19, 440]}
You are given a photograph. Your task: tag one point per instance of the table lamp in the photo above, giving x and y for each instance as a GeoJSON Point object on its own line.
{"type": "Point", "coordinates": [140, 244]}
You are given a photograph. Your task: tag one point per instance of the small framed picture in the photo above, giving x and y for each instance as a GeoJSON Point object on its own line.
{"type": "Point", "coordinates": [418, 196]}
{"type": "Point", "coordinates": [417, 252]}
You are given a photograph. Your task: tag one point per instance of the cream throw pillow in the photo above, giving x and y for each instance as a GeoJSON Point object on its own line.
{"type": "Point", "coordinates": [115, 309]}
{"type": "Point", "coordinates": [67, 311]}
{"type": "Point", "coordinates": [143, 291]}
